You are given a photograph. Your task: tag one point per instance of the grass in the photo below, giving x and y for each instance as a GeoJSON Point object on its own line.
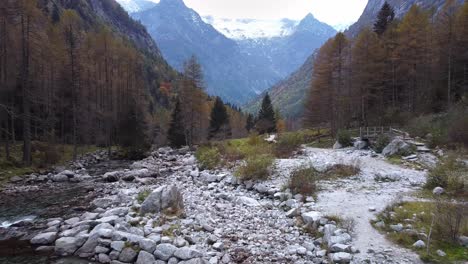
{"type": "Point", "coordinates": [451, 175]}
{"type": "Point", "coordinates": [255, 168]}
{"type": "Point", "coordinates": [325, 142]}
{"type": "Point", "coordinates": [141, 197]}
{"type": "Point", "coordinates": [43, 155]}
{"type": "Point", "coordinates": [339, 171]}
{"type": "Point", "coordinates": [418, 214]}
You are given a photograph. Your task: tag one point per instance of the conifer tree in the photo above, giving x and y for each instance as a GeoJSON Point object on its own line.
{"type": "Point", "coordinates": [219, 121]}
{"type": "Point", "coordinates": [250, 123]}
{"type": "Point", "coordinates": [266, 117]}
{"type": "Point", "coordinates": [384, 18]}
{"type": "Point", "coordinates": [176, 135]}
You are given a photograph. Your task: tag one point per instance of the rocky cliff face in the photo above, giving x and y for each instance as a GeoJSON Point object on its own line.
{"type": "Point", "coordinates": [401, 7]}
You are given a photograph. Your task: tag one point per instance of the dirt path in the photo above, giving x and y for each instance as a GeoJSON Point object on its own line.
{"type": "Point", "coordinates": [357, 198]}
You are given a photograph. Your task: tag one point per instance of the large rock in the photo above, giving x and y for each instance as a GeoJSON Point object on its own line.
{"type": "Point", "coordinates": [361, 144]}
{"type": "Point", "coordinates": [247, 201]}
{"type": "Point", "coordinates": [66, 246]}
{"type": "Point", "coordinates": [337, 145]}
{"type": "Point", "coordinates": [419, 244]}
{"type": "Point", "coordinates": [342, 258]}
{"type": "Point", "coordinates": [186, 253]}
{"type": "Point", "coordinates": [397, 146]}
{"type": "Point", "coordinates": [165, 251]}
{"type": "Point", "coordinates": [145, 258]}
{"type": "Point", "coordinates": [312, 217]}
{"type": "Point", "coordinates": [166, 198]}
{"type": "Point", "coordinates": [44, 238]}
{"type": "Point", "coordinates": [128, 254]}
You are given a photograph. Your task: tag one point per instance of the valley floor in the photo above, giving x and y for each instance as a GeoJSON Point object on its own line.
{"type": "Point", "coordinates": [227, 221]}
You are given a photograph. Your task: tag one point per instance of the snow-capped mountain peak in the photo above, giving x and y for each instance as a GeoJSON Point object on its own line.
{"type": "Point", "coordinates": [252, 28]}
{"type": "Point", "coordinates": [132, 6]}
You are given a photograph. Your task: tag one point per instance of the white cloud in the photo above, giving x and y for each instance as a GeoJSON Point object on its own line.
{"type": "Point", "coordinates": [334, 12]}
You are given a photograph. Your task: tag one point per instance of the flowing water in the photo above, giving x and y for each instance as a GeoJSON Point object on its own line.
{"type": "Point", "coordinates": [22, 204]}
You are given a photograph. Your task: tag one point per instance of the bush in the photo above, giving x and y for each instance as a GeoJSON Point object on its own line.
{"type": "Point", "coordinates": [449, 174]}
{"type": "Point", "coordinates": [344, 138]}
{"type": "Point", "coordinates": [141, 197]}
{"type": "Point", "coordinates": [342, 171]}
{"type": "Point", "coordinates": [288, 143]}
{"type": "Point", "coordinates": [208, 157]}
{"type": "Point", "coordinates": [381, 142]}
{"type": "Point", "coordinates": [303, 181]}
{"type": "Point", "coordinates": [256, 168]}
{"type": "Point", "coordinates": [458, 129]}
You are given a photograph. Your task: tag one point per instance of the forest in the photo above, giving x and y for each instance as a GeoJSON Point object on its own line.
{"type": "Point", "coordinates": [395, 71]}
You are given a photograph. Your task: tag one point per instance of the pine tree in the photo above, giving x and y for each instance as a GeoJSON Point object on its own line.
{"type": "Point", "coordinates": [219, 121]}
{"type": "Point", "coordinates": [176, 135]}
{"type": "Point", "coordinates": [250, 123]}
{"type": "Point", "coordinates": [384, 18]}
{"type": "Point", "coordinates": [132, 133]}
{"type": "Point", "coordinates": [266, 117]}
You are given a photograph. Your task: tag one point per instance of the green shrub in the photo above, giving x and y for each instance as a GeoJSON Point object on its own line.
{"type": "Point", "coordinates": [255, 168]}
{"type": "Point", "coordinates": [458, 129]}
{"type": "Point", "coordinates": [344, 138]}
{"type": "Point", "coordinates": [208, 157]}
{"type": "Point", "coordinates": [303, 181]}
{"type": "Point", "coordinates": [141, 197]}
{"type": "Point", "coordinates": [381, 142]}
{"type": "Point", "coordinates": [451, 175]}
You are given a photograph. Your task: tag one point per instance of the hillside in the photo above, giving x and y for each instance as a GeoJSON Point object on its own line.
{"type": "Point", "coordinates": [401, 8]}
{"type": "Point", "coordinates": [289, 94]}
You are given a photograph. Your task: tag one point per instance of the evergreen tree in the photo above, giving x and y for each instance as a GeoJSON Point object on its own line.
{"type": "Point", "coordinates": [132, 136]}
{"type": "Point", "coordinates": [266, 117]}
{"type": "Point", "coordinates": [176, 135]}
{"type": "Point", "coordinates": [219, 121]}
{"type": "Point", "coordinates": [250, 123]}
{"type": "Point", "coordinates": [384, 18]}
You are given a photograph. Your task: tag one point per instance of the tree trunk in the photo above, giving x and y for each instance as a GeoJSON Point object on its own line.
{"type": "Point", "coordinates": [25, 93]}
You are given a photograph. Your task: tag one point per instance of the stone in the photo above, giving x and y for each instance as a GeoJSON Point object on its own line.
{"type": "Point", "coordinates": [167, 197]}
{"type": "Point", "coordinates": [104, 258]}
{"type": "Point", "coordinates": [117, 245]}
{"type": "Point", "coordinates": [119, 211]}
{"type": "Point", "coordinates": [337, 145]}
{"type": "Point", "coordinates": [101, 249]}
{"type": "Point", "coordinates": [372, 209]}
{"type": "Point", "coordinates": [312, 217]}
{"type": "Point", "coordinates": [90, 245]}
{"type": "Point", "coordinates": [60, 178]}
{"type": "Point", "coordinates": [438, 191]}
{"type": "Point", "coordinates": [112, 176]}
{"type": "Point", "coordinates": [342, 257]}
{"type": "Point", "coordinates": [340, 248]}
{"type": "Point", "coordinates": [218, 246]}
{"type": "Point", "coordinates": [463, 241]}
{"type": "Point", "coordinates": [360, 144]}
{"type": "Point", "coordinates": [247, 201]}
{"type": "Point", "coordinates": [145, 258]}
{"type": "Point", "coordinates": [397, 228]}
{"type": "Point", "coordinates": [164, 251]}
{"type": "Point", "coordinates": [185, 253]}
{"type": "Point", "coordinates": [147, 245]}
{"type": "Point", "coordinates": [441, 253]}
{"type": "Point", "coordinates": [44, 238]}
{"type": "Point", "coordinates": [419, 244]}
{"type": "Point", "coordinates": [180, 242]}
{"type": "Point", "coordinates": [128, 254]}
{"type": "Point", "coordinates": [66, 246]}
{"type": "Point", "coordinates": [396, 146]}
{"type": "Point", "coordinates": [339, 239]}
{"type": "Point", "coordinates": [293, 212]}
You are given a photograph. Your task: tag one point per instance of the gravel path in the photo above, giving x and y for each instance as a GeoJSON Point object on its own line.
{"type": "Point", "coordinates": [357, 197]}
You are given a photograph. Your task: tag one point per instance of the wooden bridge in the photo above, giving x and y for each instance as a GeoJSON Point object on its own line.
{"type": "Point", "coordinates": [374, 132]}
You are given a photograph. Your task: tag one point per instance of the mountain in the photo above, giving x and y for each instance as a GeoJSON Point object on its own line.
{"type": "Point", "coordinates": [241, 29]}
{"type": "Point", "coordinates": [288, 94]}
{"type": "Point", "coordinates": [401, 8]}
{"type": "Point", "coordinates": [238, 68]}
{"type": "Point", "coordinates": [136, 5]}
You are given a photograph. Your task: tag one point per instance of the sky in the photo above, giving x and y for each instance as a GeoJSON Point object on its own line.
{"type": "Point", "coordinates": [333, 12]}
